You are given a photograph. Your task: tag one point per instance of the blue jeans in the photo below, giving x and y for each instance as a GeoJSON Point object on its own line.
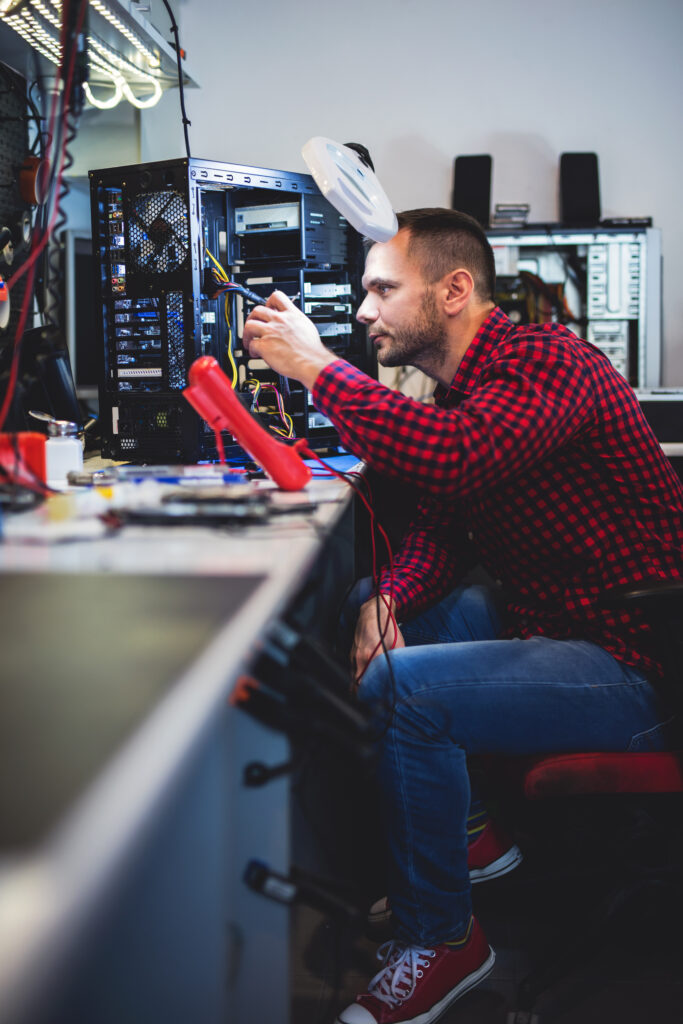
{"type": "Point", "coordinates": [460, 691]}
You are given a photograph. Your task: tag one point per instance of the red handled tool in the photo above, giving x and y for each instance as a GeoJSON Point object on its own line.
{"type": "Point", "coordinates": [22, 458]}
{"type": "Point", "coordinates": [209, 392]}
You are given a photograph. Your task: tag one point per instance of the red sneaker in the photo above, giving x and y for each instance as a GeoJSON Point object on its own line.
{"type": "Point", "coordinates": [491, 855]}
{"type": "Point", "coordinates": [417, 985]}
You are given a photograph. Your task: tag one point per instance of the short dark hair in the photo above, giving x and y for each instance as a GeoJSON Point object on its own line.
{"type": "Point", "coordinates": [442, 240]}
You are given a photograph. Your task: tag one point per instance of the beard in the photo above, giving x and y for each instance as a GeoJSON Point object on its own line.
{"type": "Point", "coordinates": [419, 342]}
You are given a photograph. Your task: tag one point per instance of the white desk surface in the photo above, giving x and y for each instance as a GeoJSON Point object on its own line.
{"type": "Point", "coordinates": [45, 893]}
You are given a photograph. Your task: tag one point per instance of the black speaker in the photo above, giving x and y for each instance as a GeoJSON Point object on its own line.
{"type": "Point", "coordinates": [472, 187]}
{"type": "Point", "coordinates": [579, 189]}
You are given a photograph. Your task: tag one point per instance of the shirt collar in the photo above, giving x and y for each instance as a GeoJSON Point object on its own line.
{"type": "Point", "coordinates": [494, 329]}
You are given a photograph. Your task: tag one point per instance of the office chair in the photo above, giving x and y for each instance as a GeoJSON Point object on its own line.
{"type": "Point", "coordinates": [645, 857]}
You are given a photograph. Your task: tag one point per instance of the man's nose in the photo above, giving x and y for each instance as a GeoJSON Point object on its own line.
{"type": "Point", "coordinates": [367, 311]}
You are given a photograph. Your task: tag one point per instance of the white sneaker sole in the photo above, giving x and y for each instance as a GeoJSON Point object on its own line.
{"type": "Point", "coordinates": [508, 862]}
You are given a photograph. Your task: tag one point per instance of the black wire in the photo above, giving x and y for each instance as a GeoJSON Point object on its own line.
{"type": "Point", "coordinates": [40, 140]}
{"type": "Point", "coordinates": [68, 121]}
{"type": "Point", "coordinates": [65, 103]}
{"type": "Point", "coordinates": [185, 119]}
{"type": "Point", "coordinates": [53, 251]}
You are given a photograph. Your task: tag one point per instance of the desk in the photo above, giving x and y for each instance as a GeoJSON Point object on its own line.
{"type": "Point", "coordinates": [125, 826]}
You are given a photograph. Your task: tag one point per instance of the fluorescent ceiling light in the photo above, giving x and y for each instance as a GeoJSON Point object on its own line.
{"type": "Point", "coordinates": [125, 52]}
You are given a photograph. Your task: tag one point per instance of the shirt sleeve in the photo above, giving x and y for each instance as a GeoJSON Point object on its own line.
{"type": "Point", "coordinates": [532, 397]}
{"type": "Point", "coordinates": [434, 555]}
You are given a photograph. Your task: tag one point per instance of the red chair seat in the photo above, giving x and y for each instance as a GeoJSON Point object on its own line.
{"type": "Point", "coordinates": [572, 774]}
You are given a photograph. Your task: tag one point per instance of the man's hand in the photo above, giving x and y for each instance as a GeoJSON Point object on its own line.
{"type": "Point", "coordinates": [366, 642]}
{"type": "Point", "coordinates": [280, 334]}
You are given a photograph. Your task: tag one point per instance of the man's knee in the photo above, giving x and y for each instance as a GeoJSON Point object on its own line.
{"type": "Point", "coordinates": [376, 684]}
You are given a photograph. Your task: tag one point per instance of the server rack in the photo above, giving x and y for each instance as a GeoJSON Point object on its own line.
{"type": "Point", "coordinates": [153, 228]}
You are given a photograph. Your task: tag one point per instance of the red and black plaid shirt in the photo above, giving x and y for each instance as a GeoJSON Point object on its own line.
{"type": "Point", "coordinates": [539, 458]}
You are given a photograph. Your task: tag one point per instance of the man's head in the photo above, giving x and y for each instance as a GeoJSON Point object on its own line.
{"type": "Point", "coordinates": [443, 240]}
{"type": "Point", "coordinates": [426, 287]}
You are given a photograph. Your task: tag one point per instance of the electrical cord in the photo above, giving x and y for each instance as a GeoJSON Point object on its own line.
{"type": "Point", "coordinates": [283, 414]}
{"type": "Point", "coordinates": [181, 89]}
{"type": "Point", "coordinates": [223, 282]}
{"type": "Point", "coordinates": [75, 27]}
{"type": "Point", "coordinates": [224, 286]}
{"type": "Point", "coordinates": [380, 597]}
{"type": "Point", "coordinates": [41, 141]}
{"type": "Point", "coordinates": [59, 138]}
{"type": "Point", "coordinates": [54, 275]}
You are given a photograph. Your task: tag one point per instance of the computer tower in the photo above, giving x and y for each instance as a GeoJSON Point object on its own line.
{"type": "Point", "coordinates": [160, 231]}
{"type": "Point", "coordinates": [603, 283]}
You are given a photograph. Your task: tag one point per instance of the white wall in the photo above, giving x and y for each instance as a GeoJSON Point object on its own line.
{"type": "Point", "coordinates": [106, 138]}
{"type": "Point", "coordinates": [420, 83]}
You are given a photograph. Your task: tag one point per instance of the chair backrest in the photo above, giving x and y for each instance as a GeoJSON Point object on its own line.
{"type": "Point", "coordinates": [601, 773]}
{"type": "Point", "coordinates": [662, 603]}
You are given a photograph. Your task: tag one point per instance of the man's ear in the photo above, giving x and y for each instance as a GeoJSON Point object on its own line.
{"type": "Point", "coordinates": [458, 289]}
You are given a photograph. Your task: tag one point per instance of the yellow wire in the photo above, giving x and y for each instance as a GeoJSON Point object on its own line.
{"type": "Point", "coordinates": [288, 421]}
{"type": "Point", "coordinates": [233, 364]}
{"type": "Point", "coordinates": [252, 382]}
{"type": "Point", "coordinates": [224, 276]}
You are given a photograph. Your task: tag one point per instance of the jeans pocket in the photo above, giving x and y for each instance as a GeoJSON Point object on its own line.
{"type": "Point", "coordinates": [659, 737]}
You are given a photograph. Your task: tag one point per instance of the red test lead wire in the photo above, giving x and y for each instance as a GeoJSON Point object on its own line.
{"type": "Point", "coordinates": [302, 447]}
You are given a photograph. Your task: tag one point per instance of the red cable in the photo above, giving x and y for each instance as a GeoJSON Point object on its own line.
{"type": "Point", "coordinates": [40, 242]}
{"type": "Point", "coordinates": [303, 449]}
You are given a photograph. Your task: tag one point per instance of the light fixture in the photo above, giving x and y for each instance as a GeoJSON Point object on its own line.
{"type": "Point", "coordinates": [127, 56]}
{"type": "Point", "coordinates": [97, 101]}
{"type": "Point", "coordinates": [137, 101]}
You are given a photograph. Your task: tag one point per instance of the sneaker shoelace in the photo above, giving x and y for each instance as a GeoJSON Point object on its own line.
{"type": "Point", "coordinates": [403, 965]}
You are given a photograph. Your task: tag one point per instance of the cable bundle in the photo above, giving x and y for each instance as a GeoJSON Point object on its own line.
{"type": "Point", "coordinates": [66, 104]}
{"type": "Point", "coordinates": [259, 386]}
{"type": "Point", "coordinates": [225, 286]}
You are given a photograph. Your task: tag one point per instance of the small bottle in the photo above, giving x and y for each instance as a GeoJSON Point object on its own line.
{"type": "Point", "coordinates": [63, 452]}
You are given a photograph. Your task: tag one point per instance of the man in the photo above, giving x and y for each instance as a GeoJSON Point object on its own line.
{"type": "Point", "coordinates": [536, 461]}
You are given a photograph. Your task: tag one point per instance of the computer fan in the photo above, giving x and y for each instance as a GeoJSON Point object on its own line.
{"type": "Point", "coordinates": [159, 232]}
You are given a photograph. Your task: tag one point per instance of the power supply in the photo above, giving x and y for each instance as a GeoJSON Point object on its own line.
{"type": "Point", "coordinates": [182, 251]}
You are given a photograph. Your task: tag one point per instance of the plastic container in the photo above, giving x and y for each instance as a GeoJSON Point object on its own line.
{"type": "Point", "coordinates": [63, 452]}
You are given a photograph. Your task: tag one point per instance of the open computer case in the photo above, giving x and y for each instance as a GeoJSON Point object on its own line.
{"type": "Point", "coordinates": [162, 300]}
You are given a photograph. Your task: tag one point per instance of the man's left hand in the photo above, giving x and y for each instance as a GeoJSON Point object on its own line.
{"type": "Point", "coordinates": [286, 339]}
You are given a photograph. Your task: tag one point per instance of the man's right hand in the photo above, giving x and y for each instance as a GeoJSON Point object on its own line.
{"type": "Point", "coordinates": [366, 642]}
{"type": "Point", "coordinates": [286, 339]}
